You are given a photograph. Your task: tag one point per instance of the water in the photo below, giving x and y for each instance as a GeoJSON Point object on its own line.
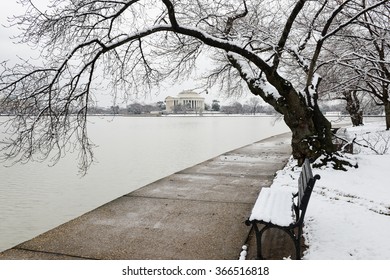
{"type": "Point", "coordinates": [131, 153]}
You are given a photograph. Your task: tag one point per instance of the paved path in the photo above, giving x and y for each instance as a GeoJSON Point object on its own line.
{"type": "Point", "coordinates": [197, 213]}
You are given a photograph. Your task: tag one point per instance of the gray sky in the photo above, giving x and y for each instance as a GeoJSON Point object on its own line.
{"type": "Point", "coordinates": [9, 51]}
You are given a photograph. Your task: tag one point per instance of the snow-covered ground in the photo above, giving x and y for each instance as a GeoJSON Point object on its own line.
{"type": "Point", "coordinates": [348, 216]}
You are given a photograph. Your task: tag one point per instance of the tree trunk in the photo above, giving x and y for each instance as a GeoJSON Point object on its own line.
{"type": "Point", "coordinates": [357, 118]}
{"type": "Point", "coordinates": [387, 114]}
{"type": "Point", "coordinates": [311, 131]}
{"type": "Point", "coordinates": [353, 107]}
{"type": "Point", "coordinates": [311, 136]}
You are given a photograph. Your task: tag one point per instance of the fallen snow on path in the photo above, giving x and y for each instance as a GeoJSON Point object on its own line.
{"type": "Point", "coordinates": [348, 216]}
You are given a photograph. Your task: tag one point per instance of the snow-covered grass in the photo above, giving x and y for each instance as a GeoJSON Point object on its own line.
{"type": "Point", "coordinates": [348, 216]}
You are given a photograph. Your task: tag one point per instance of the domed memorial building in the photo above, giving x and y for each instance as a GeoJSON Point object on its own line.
{"type": "Point", "coordinates": [186, 101]}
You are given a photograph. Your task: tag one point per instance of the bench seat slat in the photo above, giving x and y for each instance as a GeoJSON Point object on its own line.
{"type": "Point", "coordinates": [273, 205]}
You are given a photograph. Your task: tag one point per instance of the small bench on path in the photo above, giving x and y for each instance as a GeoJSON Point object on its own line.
{"type": "Point", "coordinates": [281, 209]}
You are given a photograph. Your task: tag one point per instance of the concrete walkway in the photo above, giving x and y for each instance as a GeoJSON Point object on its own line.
{"type": "Point", "coordinates": [197, 213]}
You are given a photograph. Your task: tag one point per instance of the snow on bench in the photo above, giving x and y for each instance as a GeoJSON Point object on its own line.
{"type": "Point", "coordinates": [274, 205]}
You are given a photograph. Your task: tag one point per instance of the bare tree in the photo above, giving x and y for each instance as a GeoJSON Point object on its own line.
{"type": "Point", "coordinates": [354, 107]}
{"type": "Point", "coordinates": [141, 43]}
{"type": "Point", "coordinates": [377, 56]}
{"type": "Point", "coordinates": [215, 105]}
{"type": "Point", "coordinates": [362, 63]}
{"type": "Point", "coordinates": [341, 83]}
{"type": "Point", "coordinates": [254, 103]}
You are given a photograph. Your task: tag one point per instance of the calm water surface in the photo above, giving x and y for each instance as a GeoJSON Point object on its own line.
{"type": "Point", "coordinates": [131, 153]}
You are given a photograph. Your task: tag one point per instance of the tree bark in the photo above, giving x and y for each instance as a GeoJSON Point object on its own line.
{"type": "Point", "coordinates": [387, 114]}
{"type": "Point", "coordinates": [311, 131]}
{"type": "Point", "coordinates": [353, 108]}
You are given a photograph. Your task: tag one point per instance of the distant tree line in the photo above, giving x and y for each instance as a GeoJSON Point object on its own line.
{"type": "Point", "coordinates": [135, 108]}
{"type": "Point", "coordinates": [251, 107]}
{"type": "Point", "coordinates": [363, 106]}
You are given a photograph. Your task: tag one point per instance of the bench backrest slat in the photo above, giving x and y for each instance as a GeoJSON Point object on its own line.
{"type": "Point", "coordinates": [301, 190]}
{"type": "Point", "coordinates": [305, 185]}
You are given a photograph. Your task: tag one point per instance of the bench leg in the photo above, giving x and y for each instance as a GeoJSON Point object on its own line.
{"type": "Point", "coordinates": [298, 243]}
{"type": "Point", "coordinates": [259, 234]}
{"type": "Point", "coordinates": [290, 232]}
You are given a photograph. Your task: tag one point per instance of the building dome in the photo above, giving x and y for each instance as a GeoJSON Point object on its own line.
{"type": "Point", "coordinates": [189, 94]}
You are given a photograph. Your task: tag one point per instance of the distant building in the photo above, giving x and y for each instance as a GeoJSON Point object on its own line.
{"type": "Point", "coordinates": [185, 101]}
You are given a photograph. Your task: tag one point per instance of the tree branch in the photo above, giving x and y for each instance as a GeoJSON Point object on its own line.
{"type": "Point", "coordinates": [286, 32]}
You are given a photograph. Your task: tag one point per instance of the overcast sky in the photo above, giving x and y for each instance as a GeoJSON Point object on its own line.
{"type": "Point", "coordinates": [9, 51]}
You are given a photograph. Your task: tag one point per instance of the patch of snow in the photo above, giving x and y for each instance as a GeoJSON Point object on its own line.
{"type": "Point", "coordinates": [242, 158]}
{"type": "Point", "coordinates": [303, 61]}
{"type": "Point", "coordinates": [312, 89]}
{"type": "Point", "coordinates": [267, 88]}
{"type": "Point", "coordinates": [243, 253]}
{"type": "Point", "coordinates": [372, 138]}
{"type": "Point", "coordinates": [244, 65]}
